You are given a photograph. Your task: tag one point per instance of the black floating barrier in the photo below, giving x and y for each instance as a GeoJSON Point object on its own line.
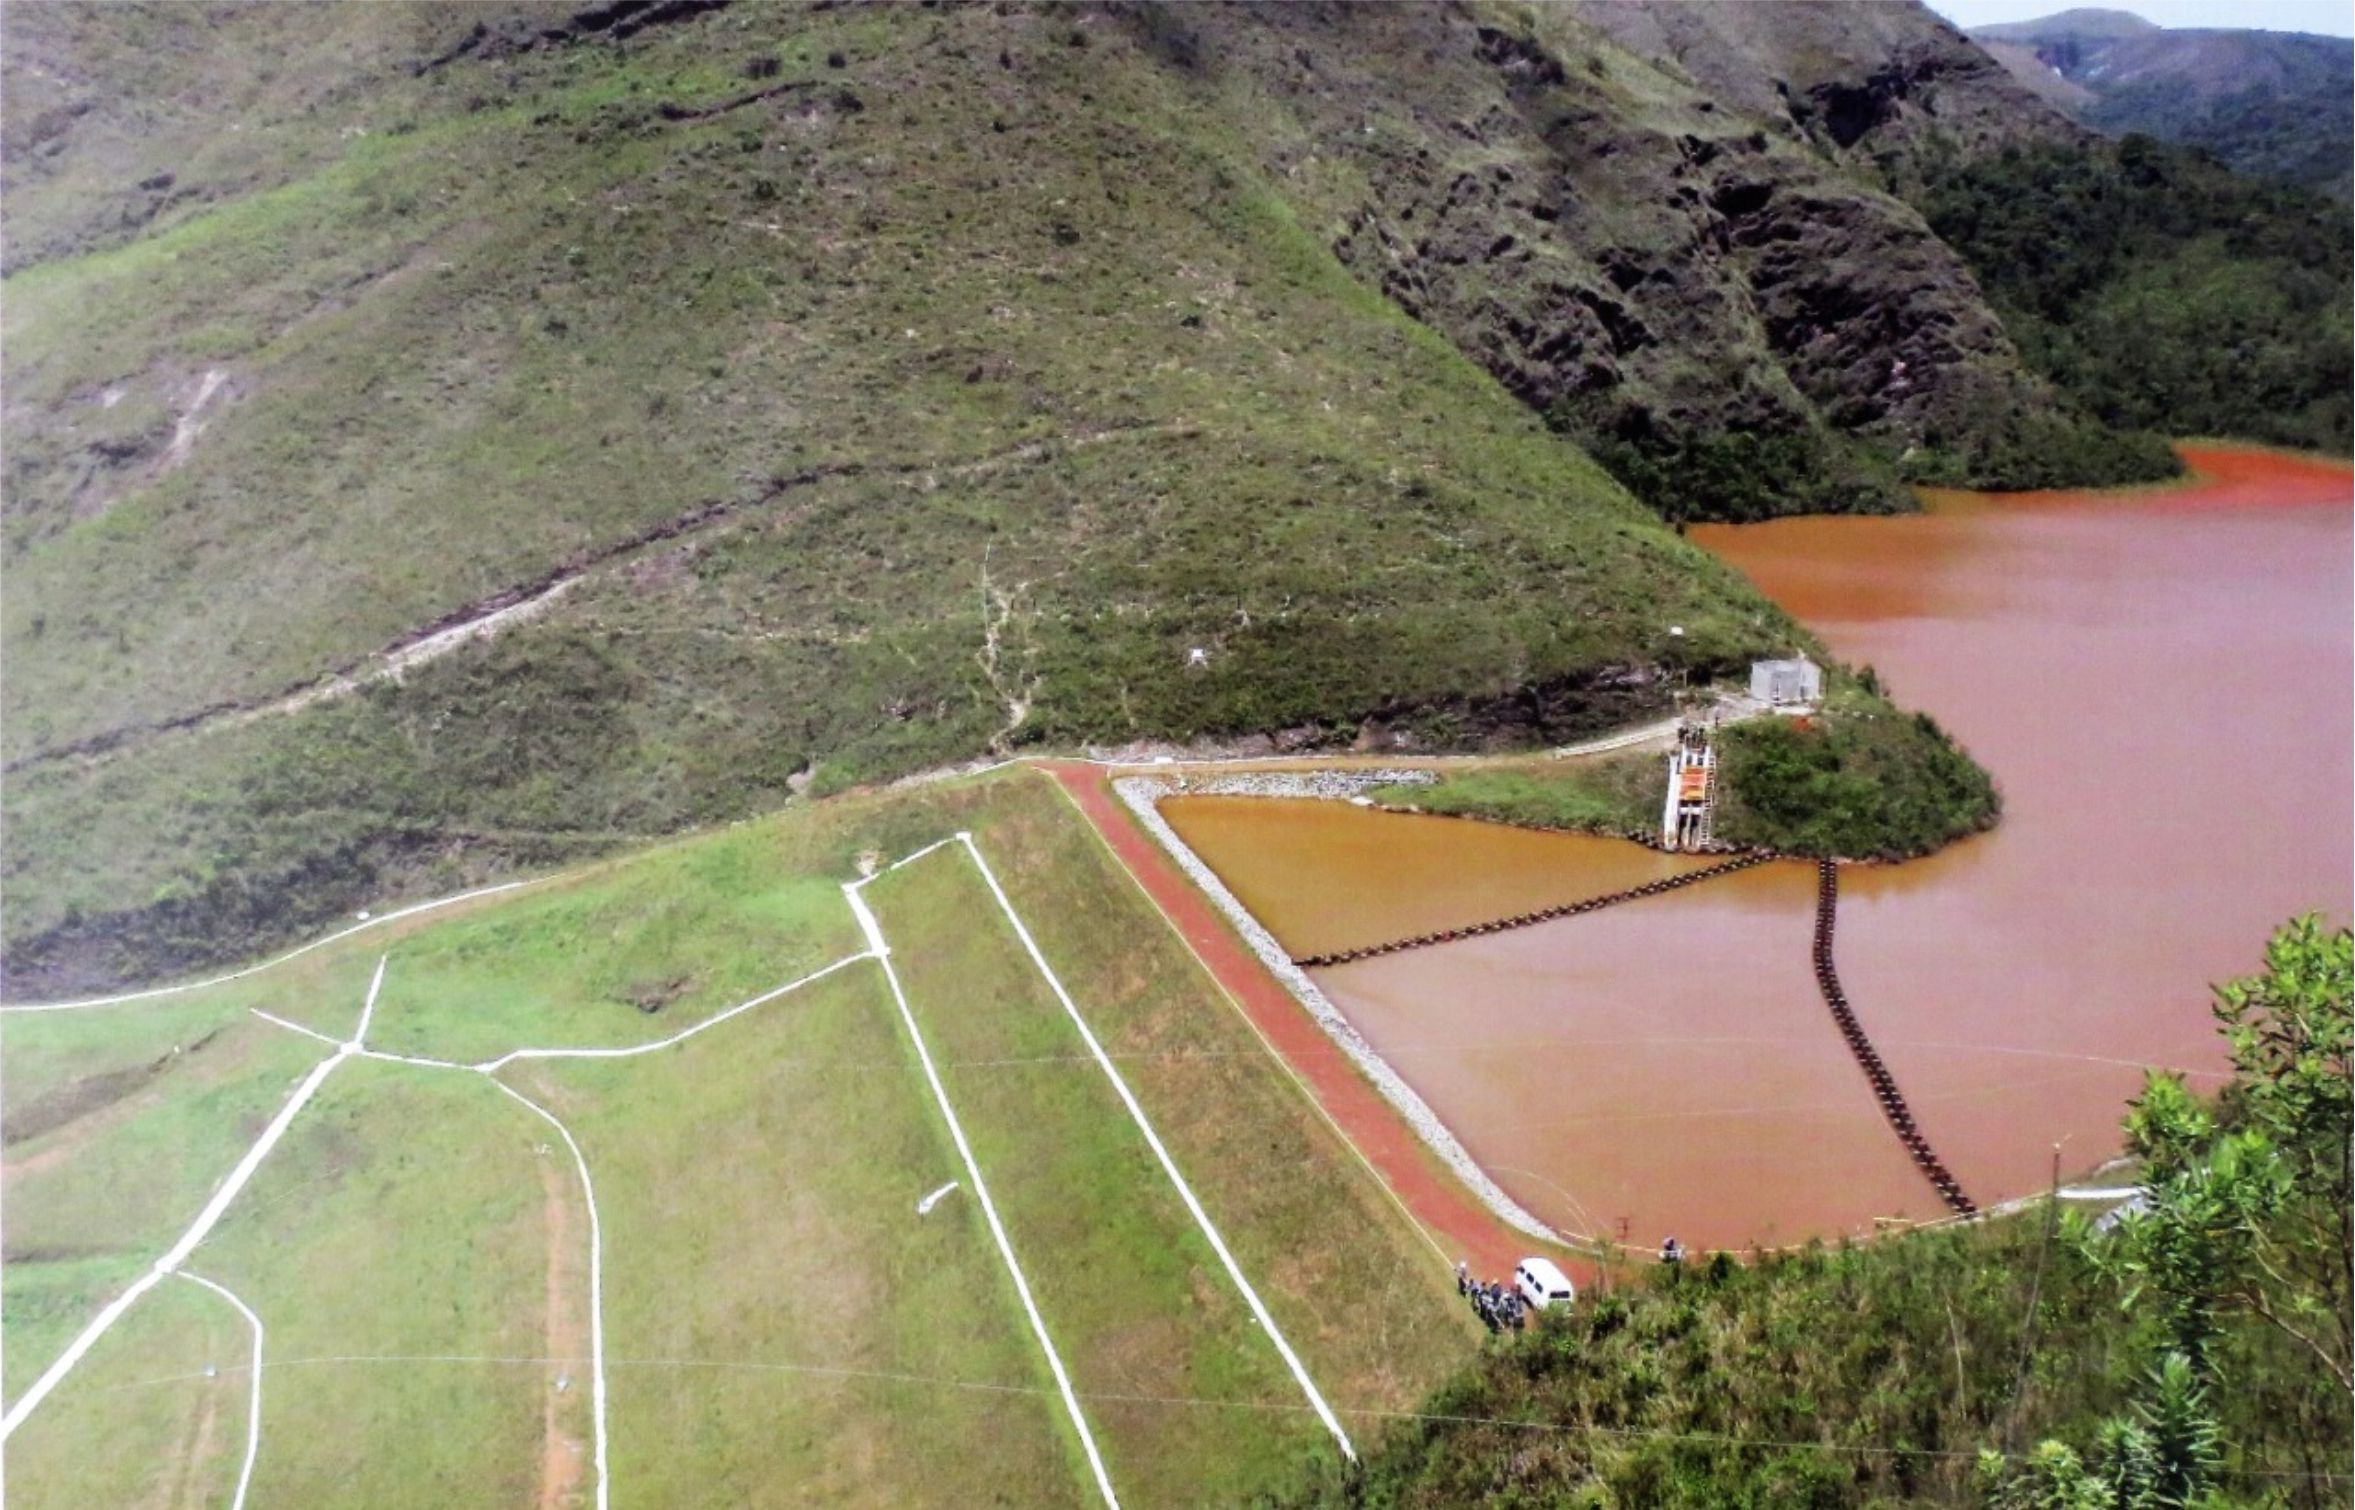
{"type": "Point", "coordinates": [1528, 919]}
{"type": "Point", "coordinates": [1884, 1084]}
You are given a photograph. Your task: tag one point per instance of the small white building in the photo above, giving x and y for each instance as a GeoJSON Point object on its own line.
{"type": "Point", "coordinates": [1784, 683]}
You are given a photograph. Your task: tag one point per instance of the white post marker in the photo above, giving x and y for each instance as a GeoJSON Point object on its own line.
{"type": "Point", "coordinates": [253, 1408]}
{"type": "Point", "coordinates": [1169, 1165]}
{"type": "Point", "coordinates": [989, 1210]}
{"type": "Point", "coordinates": [924, 1206]}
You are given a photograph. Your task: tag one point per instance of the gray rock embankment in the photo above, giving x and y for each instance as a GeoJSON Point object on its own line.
{"type": "Point", "coordinates": [1338, 786]}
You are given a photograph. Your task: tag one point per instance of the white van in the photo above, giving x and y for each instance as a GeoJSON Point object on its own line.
{"type": "Point", "coordinates": [1542, 1284]}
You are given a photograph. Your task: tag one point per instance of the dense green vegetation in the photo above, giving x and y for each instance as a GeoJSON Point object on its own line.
{"type": "Point", "coordinates": [2161, 291]}
{"type": "Point", "coordinates": [2299, 134]}
{"type": "Point", "coordinates": [2245, 1236]}
{"type": "Point", "coordinates": [2267, 104]}
{"type": "Point", "coordinates": [998, 387]}
{"type": "Point", "coordinates": [1742, 476]}
{"type": "Point", "coordinates": [2194, 1356]}
{"type": "Point", "coordinates": [1860, 780]}
{"type": "Point", "coordinates": [2021, 448]}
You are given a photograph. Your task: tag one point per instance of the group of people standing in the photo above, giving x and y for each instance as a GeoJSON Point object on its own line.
{"type": "Point", "coordinates": [1500, 1306]}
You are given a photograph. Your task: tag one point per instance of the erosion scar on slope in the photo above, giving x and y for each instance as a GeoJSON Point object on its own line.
{"type": "Point", "coordinates": [486, 616]}
{"type": "Point", "coordinates": [182, 1484]}
{"type": "Point", "coordinates": [560, 1452]}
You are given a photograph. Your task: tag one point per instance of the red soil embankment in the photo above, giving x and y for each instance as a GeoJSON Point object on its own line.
{"type": "Point", "coordinates": [1441, 1206]}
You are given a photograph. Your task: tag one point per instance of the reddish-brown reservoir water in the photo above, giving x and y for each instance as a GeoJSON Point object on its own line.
{"type": "Point", "coordinates": [1306, 858]}
{"type": "Point", "coordinates": [2161, 683]}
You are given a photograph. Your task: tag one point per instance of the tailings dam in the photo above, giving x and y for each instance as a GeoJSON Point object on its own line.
{"type": "Point", "coordinates": [2160, 682]}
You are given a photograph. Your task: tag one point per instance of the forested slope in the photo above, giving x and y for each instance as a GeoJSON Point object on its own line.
{"type": "Point", "coordinates": [2160, 292]}
{"type": "Point", "coordinates": [2267, 104]}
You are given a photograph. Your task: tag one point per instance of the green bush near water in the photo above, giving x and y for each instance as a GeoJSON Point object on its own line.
{"type": "Point", "coordinates": [1862, 780]}
{"type": "Point", "coordinates": [2021, 450]}
{"type": "Point", "coordinates": [1743, 476]}
{"type": "Point", "coordinates": [2195, 1356]}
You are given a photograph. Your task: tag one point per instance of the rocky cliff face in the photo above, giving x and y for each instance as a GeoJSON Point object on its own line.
{"type": "Point", "coordinates": [1707, 298]}
{"type": "Point", "coordinates": [1861, 83]}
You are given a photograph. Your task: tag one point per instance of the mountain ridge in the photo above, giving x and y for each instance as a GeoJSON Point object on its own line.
{"type": "Point", "coordinates": [333, 326]}
{"type": "Point", "coordinates": [2269, 103]}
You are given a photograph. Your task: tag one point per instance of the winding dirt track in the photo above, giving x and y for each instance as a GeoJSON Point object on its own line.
{"type": "Point", "coordinates": [511, 605]}
{"type": "Point", "coordinates": [183, 1485]}
{"type": "Point", "coordinates": [1449, 1216]}
{"type": "Point", "coordinates": [560, 1452]}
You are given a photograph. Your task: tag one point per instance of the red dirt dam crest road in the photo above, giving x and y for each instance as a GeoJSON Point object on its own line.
{"type": "Point", "coordinates": [1442, 1207]}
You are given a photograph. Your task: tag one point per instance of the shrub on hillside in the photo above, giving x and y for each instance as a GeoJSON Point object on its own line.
{"type": "Point", "coordinates": [1741, 476]}
{"type": "Point", "coordinates": [1861, 781]}
{"type": "Point", "coordinates": [1876, 1375]}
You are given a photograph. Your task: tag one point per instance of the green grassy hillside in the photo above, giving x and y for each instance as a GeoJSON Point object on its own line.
{"type": "Point", "coordinates": [776, 1308]}
{"type": "Point", "coordinates": [807, 395]}
{"type": "Point", "coordinates": [904, 384]}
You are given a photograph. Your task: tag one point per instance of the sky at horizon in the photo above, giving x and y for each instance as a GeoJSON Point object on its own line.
{"type": "Point", "coordinates": [2333, 18]}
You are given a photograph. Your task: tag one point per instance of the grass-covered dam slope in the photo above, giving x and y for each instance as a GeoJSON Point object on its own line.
{"type": "Point", "coordinates": [2195, 1355]}
{"type": "Point", "coordinates": [776, 1308]}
